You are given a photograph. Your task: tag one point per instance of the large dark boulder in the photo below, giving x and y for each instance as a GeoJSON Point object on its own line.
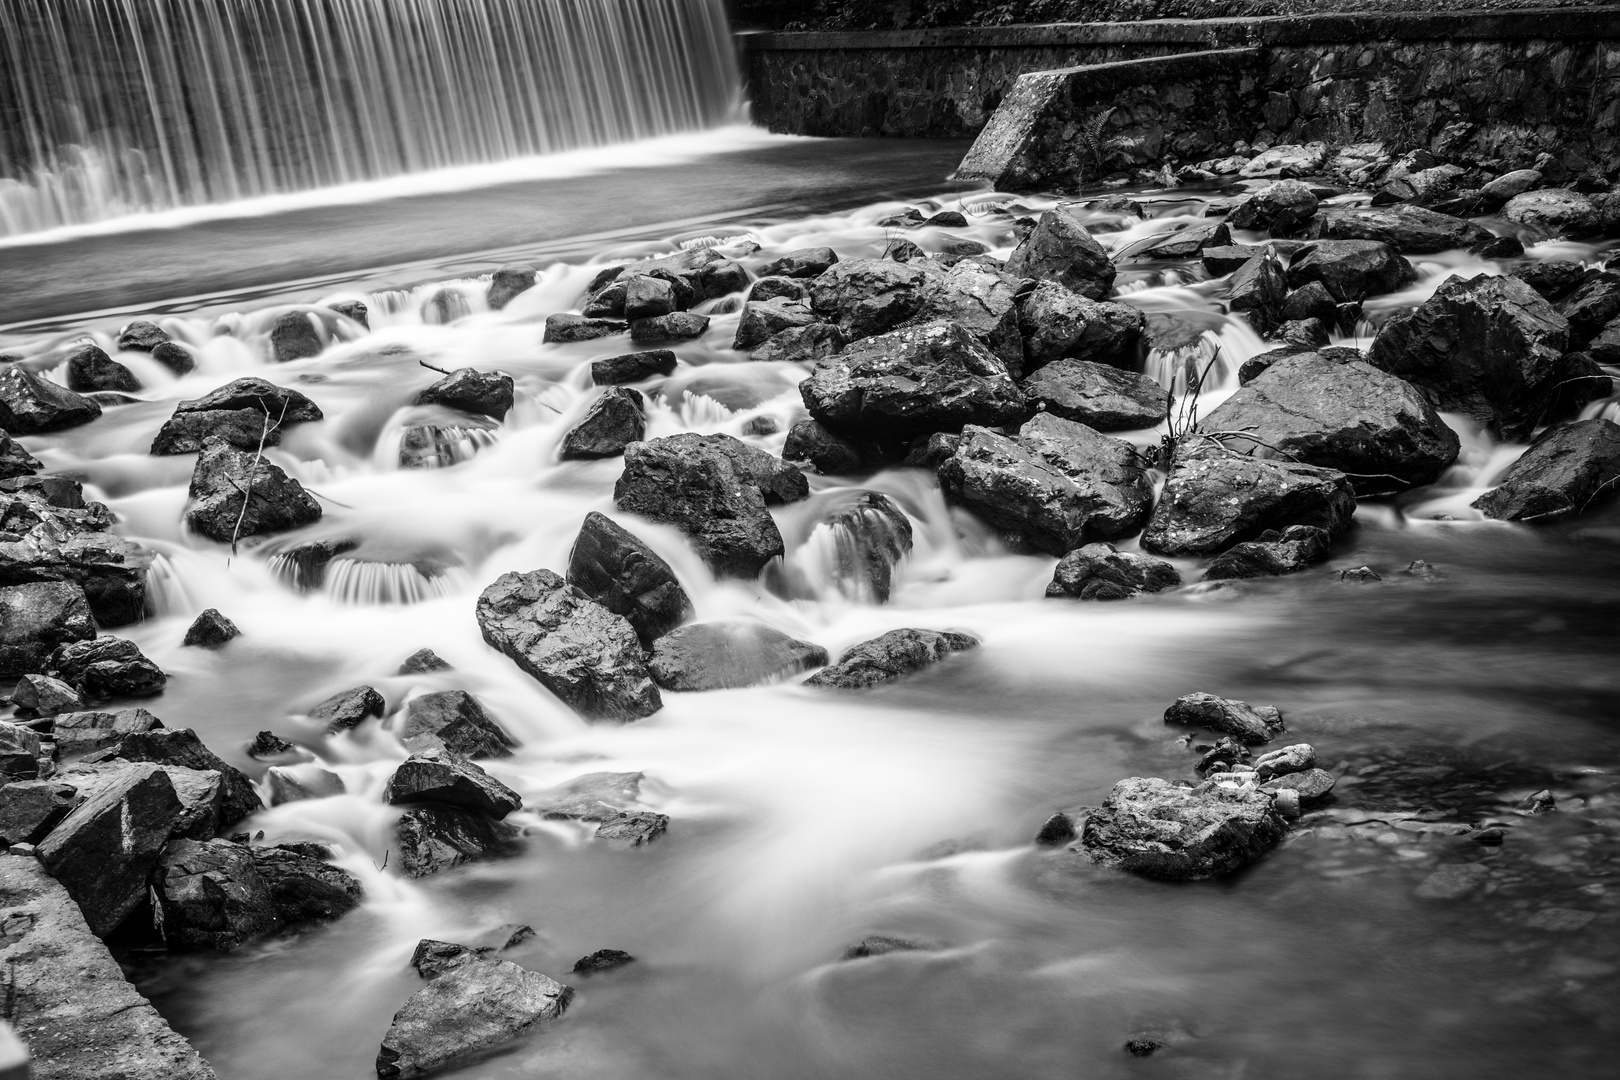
{"type": "Point", "coordinates": [828, 452]}
{"type": "Point", "coordinates": [473, 1009]}
{"type": "Point", "coordinates": [33, 405]}
{"type": "Point", "coordinates": [715, 489]}
{"type": "Point", "coordinates": [303, 889]}
{"type": "Point", "coordinates": [1350, 269]}
{"type": "Point", "coordinates": [564, 328]}
{"type": "Point", "coordinates": [1102, 397]}
{"type": "Point", "coordinates": [245, 413]}
{"type": "Point", "coordinates": [1210, 503]}
{"type": "Point", "coordinates": [1258, 289]}
{"type": "Point", "coordinates": [181, 748]}
{"type": "Point", "coordinates": [82, 732]}
{"type": "Point", "coordinates": [1057, 485]}
{"type": "Point", "coordinates": [1271, 554]}
{"type": "Point", "coordinates": [107, 667]}
{"type": "Point", "coordinates": [1555, 211]}
{"type": "Point", "coordinates": [613, 567]}
{"type": "Point", "coordinates": [1186, 243]}
{"type": "Point", "coordinates": [801, 263]}
{"type": "Point", "coordinates": [722, 656]}
{"type": "Point", "coordinates": [453, 720]}
{"type": "Point", "coordinates": [294, 337]}
{"type": "Point", "coordinates": [1410, 230]}
{"type": "Point", "coordinates": [1490, 348]}
{"type": "Point", "coordinates": [894, 387]}
{"type": "Point", "coordinates": [1248, 724]}
{"type": "Point", "coordinates": [647, 297]}
{"type": "Point", "coordinates": [1281, 208]}
{"type": "Point", "coordinates": [674, 326]}
{"type": "Point", "coordinates": [41, 695]}
{"type": "Point", "coordinates": [763, 319]}
{"type": "Point", "coordinates": [1159, 829]}
{"type": "Point", "coordinates": [1553, 279]}
{"type": "Point", "coordinates": [1591, 305]}
{"type": "Point", "coordinates": [1056, 323]}
{"type": "Point", "coordinates": [1566, 471]}
{"type": "Point", "coordinates": [613, 421]}
{"type": "Point", "coordinates": [35, 619]}
{"type": "Point", "coordinates": [573, 646]}
{"type": "Point", "coordinates": [482, 393]}
{"type": "Point", "coordinates": [984, 302]}
{"type": "Point", "coordinates": [507, 283]}
{"type": "Point", "coordinates": [806, 345]}
{"type": "Point", "coordinates": [448, 779]}
{"type": "Point", "coordinates": [869, 296]}
{"type": "Point", "coordinates": [1102, 572]}
{"type": "Point", "coordinates": [142, 335]}
{"type": "Point", "coordinates": [633, 367]}
{"type": "Point", "coordinates": [347, 709]}
{"type": "Point", "coordinates": [210, 896]}
{"type": "Point", "coordinates": [225, 478]}
{"type": "Point", "coordinates": [432, 838]}
{"type": "Point", "coordinates": [1059, 249]}
{"type": "Point", "coordinates": [90, 369]}
{"type": "Point", "coordinates": [30, 809]}
{"type": "Point", "coordinates": [1370, 425]}
{"type": "Point", "coordinates": [52, 534]}
{"type": "Point", "coordinates": [889, 657]}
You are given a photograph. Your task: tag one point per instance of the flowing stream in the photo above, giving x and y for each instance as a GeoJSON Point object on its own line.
{"type": "Point", "coordinates": [803, 820]}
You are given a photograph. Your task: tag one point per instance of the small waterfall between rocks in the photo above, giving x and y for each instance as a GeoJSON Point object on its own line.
{"type": "Point", "coordinates": [116, 107]}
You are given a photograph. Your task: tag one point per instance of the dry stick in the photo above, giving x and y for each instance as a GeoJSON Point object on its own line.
{"type": "Point", "coordinates": [435, 367]}
{"type": "Point", "coordinates": [247, 495]}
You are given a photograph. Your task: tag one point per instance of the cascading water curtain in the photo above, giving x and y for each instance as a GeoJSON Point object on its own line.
{"type": "Point", "coordinates": [112, 107]}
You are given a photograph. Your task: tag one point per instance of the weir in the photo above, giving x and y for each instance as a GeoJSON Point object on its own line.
{"type": "Point", "coordinates": [112, 107]}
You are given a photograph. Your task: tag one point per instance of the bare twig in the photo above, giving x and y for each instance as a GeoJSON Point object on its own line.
{"type": "Point", "coordinates": [435, 367]}
{"type": "Point", "coordinates": [253, 469]}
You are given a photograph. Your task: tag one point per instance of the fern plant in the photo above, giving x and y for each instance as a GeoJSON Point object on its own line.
{"type": "Point", "coordinates": [1090, 139]}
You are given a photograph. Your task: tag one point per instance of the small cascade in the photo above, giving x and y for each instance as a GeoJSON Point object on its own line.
{"type": "Point", "coordinates": [428, 447]}
{"type": "Point", "coordinates": [166, 593]}
{"type": "Point", "coordinates": [854, 552]}
{"type": "Point", "coordinates": [364, 583]}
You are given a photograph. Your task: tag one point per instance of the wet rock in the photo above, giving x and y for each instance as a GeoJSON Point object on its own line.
{"type": "Point", "coordinates": [1289, 159]}
{"type": "Point", "coordinates": [806, 345]}
{"type": "Point", "coordinates": [1271, 554]}
{"type": "Point", "coordinates": [869, 538]}
{"type": "Point", "coordinates": [1499, 248]}
{"type": "Point", "coordinates": [107, 667]}
{"type": "Point", "coordinates": [647, 297]}
{"type": "Point", "coordinates": [210, 630]}
{"type": "Point", "coordinates": [608, 301]}
{"type": "Point", "coordinates": [676, 326]}
{"type": "Point", "coordinates": [507, 284]}
{"type": "Point", "coordinates": [181, 748]}
{"type": "Point", "coordinates": [443, 778]}
{"type": "Point", "coordinates": [142, 336]}
{"type": "Point", "coordinates": [1220, 261]}
{"type": "Point", "coordinates": [1312, 785]}
{"type": "Point", "coordinates": [1211, 503]}
{"type": "Point", "coordinates": [1059, 249]}
{"type": "Point", "coordinates": [52, 534]}
{"type": "Point", "coordinates": [294, 337]}
{"type": "Point", "coordinates": [1223, 756]}
{"type": "Point", "coordinates": [1290, 759]}
{"type": "Point", "coordinates": [41, 695]}
{"type": "Point", "coordinates": [88, 369]}
{"type": "Point", "coordinates": [1249, 724]}
{"type": "Point", "coordinates": [931, 451]}
{"type": "Point", "coordinates": [869, 296]}
{"type": "Point", "coordinates": [1509, 184]}
{"type": "Point", "coordinates": [1311, 301]}
{"type": "Point", "coordinates": [602, 960]}
{"type": "Point", "coordinates": [1360, 575]}
{"type": "Point", "coordinates": [482, 393]}
{"type": "Point", "coordinates": [1300, 333]}
{"type": "Point", "coordinates": [633, 367]}
{"type": "Point", "coordinates": [882, 945]}
{"type": "Point", "coordinates": [106, 848]}
{"type": "Point", "coordinates": [761, 425]}
{"type": "Point", "coordinates": [246, 413]}
{"type": "Point", "coordinates": [33, 405]}
{"type": "Point", "coordinates": [1258, 289]}
{"type": "Point", "coordinates": [347, 709]}
{"type": "Point", "coordinates": [801, 263]}
{"type": "Point", "coordinates": [1556, 211]}
{"type": "Point", "coordinates": [1281, 207]}
{"type": "Point", "coordinates": [574, 647]}
{"type": "Point", "coordinates": [1058, 485]}
{"type": "Point", "coordinates": [82, 732]}
{"type": "Point", "coordinates": [1490, 348]}
{"type": "Point", "coordinates": [633, 829]}
{"type": "Point", "coordinates": [35, 619]}
{"type": "Point", "coordinates": [433, 958]}
{"type": "Point", "coordinates": [1056, 323]}
{"type": "Point", "coordinates": [715, 489]}
{"type": "Point", "coordinates": [614, 421]}
{"type": "Point", "coordinates": [595, 797]}
{"type": "Point", "coordinates": [15, 461]}
{"type": "Point", "coordinates": [19, 753]}
{"type": "Point", "coordinates": [984, 302]}
{"type": "Point", "coordinates": [1552, 279]}
{"type": "Point", "coordinates": [1187, 243]}
{"type": "Point", "coordinates": [889, 657]}
{"type": "Point", "coordinates": [474, 1008]}
{"type": "Point", "coordinates": [355, 310]}
{"type": "Point", "coordinates": [225, 478]}
{"type": "Point", "coordinates": [1055, 831]}
{"type": "Point", "coordinates": [1372, 426]}
{"type": "Point", "coordinates": [1410, 230]}
{"type": "Point", "coordinates": [303, 888]}
{"type": "Point", "coordinates": [830, 453]}
{"type": "Point", "coordinates": [1142, 1047]}
{"type": "Point", "coordinates": [722, 656]}
{"type": "Point", "coordinates": [454, 720]}
{"type": "Point", "coordinates": [1541, 802]}
{"type": "Point", "coordinates": [210, 896]}
{"type": "Point", "coordinates": [1566, 471]}
{"type": "Point", "coordinates": [1156, 829]}
{"type": "Point", "coordinates": [434, 838]}
{"type": "Point", "coordinates": [762, 320]}
{"type": "Point", "coordinates": [901, 250]}
{"type": "Point", "coordinates": [1102, 572]}
{"type": "Point", "coordinates": [422, 662]}
{"type": "Point", "coordinates": [613, 567]}
{"type": "Point", "coordinates": [1456, 881]}
{"type": "Point", "coordinates": [268, 746]}
{"type": "Point", "coordinates": [30, 809]}
{"type": "Point", "coordinates": [1591, 305]}
{"type": "Point", "coordinates": [295, 783]}
{"type": "Point", "coordinates": [774, 288]}
{"type": "Point", "coordinates": [564, 328]}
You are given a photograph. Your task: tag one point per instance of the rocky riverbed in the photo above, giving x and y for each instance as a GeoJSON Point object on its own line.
{"type": "Point", "coordinates": [1180, 609]}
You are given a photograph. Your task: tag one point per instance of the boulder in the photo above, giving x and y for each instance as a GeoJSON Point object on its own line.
{"type": "Point", "coordinates": [33, 405]}
{"type": "Point", "coordinates": [889, 657]}
{"type": "Point", "coordinates": [1280, 208]}
{"type": "Point", "coordinates": [433, 838]}
{"type": "Point", "coordinates": [722, 656]}
{"type": "Point", "coordinates": [763, 319]}
{"type": "Point", "coordinates": [1509, 184]}
{"type": "Point", "coordinates": [1058, 485]}
{"type": "Point", "coordinates": [472, 1009]}
{"type": "Point", "coordinates": [613, 567]}
{"type": "Point", "coordinates": [1220, 261]}
{"type": "Point", "coordinates": [178, 359]}
{"type": "Point", "coordinates": [294, 337]}
{"type": "Point", "coordinates": [142, 336]}
{"type": "Point", "coordinates": [1103, 572]}
{"type": "Point", "coordinates": [181, 748]}
{"type": "Point", "coordinates": [1591, 305]}
{"type": "Point", "coordinates": [35, 619]}
{"type": "Point", "coordinates": [89, 369]}
{"type": "Point", "coordinates": [1211, 503]}
{"type": "Point", "coordinates": [715, 489]}
{"type": "Point", "coordinates": [1311, 785]}
{"type": "Point", "coordinates": [564, 328]}
{"type": "Point", "coordinates": [199, 792]}
{"type": "Point", "coordinates": [104, 851]}
{"type": "Point", "coordinates": [1311, 301]}
{"type": "Point", "coordinates": [1056, 323]}
{"type": "Point", "coordinates": [1059, 249]}
{"type": "Point", "coordinates": [1158, 829]}
{"type": "Point", "coordinates": [883, 945]}
{"type": "Point", "coordinates": [481, 393]}
{"type": "Point", "coordinates": [30, 809]}
{"type": "Point", "coordinates": [507, 283]}
{"type": "Point", "coordinates": [303, 888]}
{"type": "Point", "coordinates": [573, 646]}
{"type": "Point", "coordinates": [911, 382]}
{"type": "Point", "coordinates": [19, 753]}
{"type": "Point", "coordinates": [806, 345]}
{"type": "Point", "coordinates": [107, 667]}
{"type": "Point", "coordinates": [444, 778]}
{"type": "Point", "coordinates": [830, 453]}
{"type": "Point", "coordinates": [16, 461]}
{"type": "Point", "coordinates": [1248, 724]}
{"type": "Point", "coordinates": [602, 960]}
{"type": "Point", "coordinates": [41, 695]}
{"type": "Point", "coordinates": [614, 421]}
{"type": "Point", "coordinates": [1188, 242]}
{"type": "Point", "coordinates": [1271, 554]}
{"type": "Point", "coordinates": [1372, 426]}
{"type": "Point", "coordinates": [346, 709]}
{"type": "Point", "coordinates": [1552, 279]}
{"type": "Point", "coordinates": [633, 829]}
{"type": "Point", "coordinates": [1288, 759]}
{"type": "Point", "coordinates": [868, 296]}
{"type": "Point", "coordinates": [984, 302]}
{"type": "Point", "coordinates": [210, 630]}
{"type": "Point", "coordinates": [422, 662]}
{"type": "Point", "coordinates": [772, 288]}
{"type": "Point", "coordinates": [633, 367]}
{"type": "Point", "coordinates": [869, 538]}
{"type": "Point", "coordinates": [675, 326]}
{"type": "Point", "coordinates": [454, 720]}
{"type": "Point", "coordinates": [801, 263]}
{"type": "Point", "coordinates": [1258, 288]}
{"type": "Point", "coordinates": [1490, 348]}
{"type": "Point", "coordinates": [1555, 211]}
{"type": "Point", "coordinates": [1289, 159]}
{"type": "Point", "coordinates": [433, 958]}
{"type": "Point", "coordinates": [225, 478]}
{"type": "Point", "coordinates": [1566, 471]}
{"type": "Point", "coordinates": [596, 797]}
{"type": "Point", "coordinates": [244, 412]}
{"type": "Point", "coordinates": [209, 896]}
{"type": "Point", "coordinates": [1410, 230]}
{"type": "Point", "coordinates": [268, 746]}
{"type": "Point", "coordinates": [295, 783]}
{"type": "Point", "coordinates": [1252, 368]}
{"type": "Point", "coordinates": [52, 534]}
{"type": "Point", "coordinates": [82, 732]}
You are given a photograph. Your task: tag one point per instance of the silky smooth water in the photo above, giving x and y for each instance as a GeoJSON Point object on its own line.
{"type": "Point", "coordinates": [803, 820]}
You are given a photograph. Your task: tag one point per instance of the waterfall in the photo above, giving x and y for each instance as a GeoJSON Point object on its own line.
{"type": "Point", "coordinates": [113, 107]}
